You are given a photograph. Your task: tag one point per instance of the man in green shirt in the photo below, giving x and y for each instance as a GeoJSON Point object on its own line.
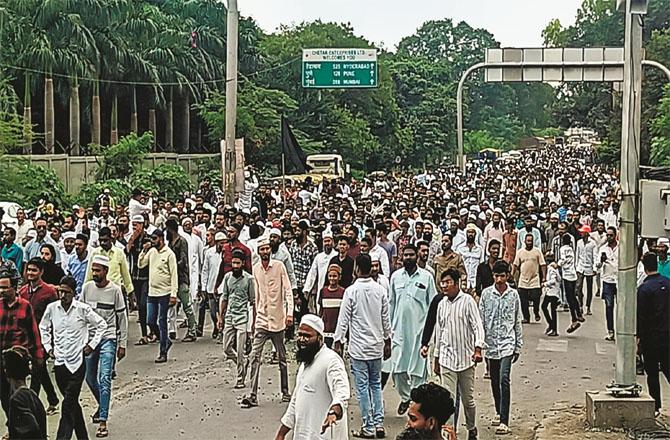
{"type": "Point", "coordinates": [238, 292]}
{"type": "Point", "coordinates": [662, 252]}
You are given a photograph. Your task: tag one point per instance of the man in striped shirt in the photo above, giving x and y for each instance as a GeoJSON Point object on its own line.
{"type": "Point", "coordinates": [459, 337]}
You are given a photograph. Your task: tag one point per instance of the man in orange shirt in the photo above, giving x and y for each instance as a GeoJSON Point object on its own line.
{"type": "Point", "coordinates": [274, 312]}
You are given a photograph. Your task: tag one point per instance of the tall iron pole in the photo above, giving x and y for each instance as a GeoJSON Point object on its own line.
{"type": "Point", "coordinates": [629, 175]}
{"type": "Point", "coordinates": [231, 99]}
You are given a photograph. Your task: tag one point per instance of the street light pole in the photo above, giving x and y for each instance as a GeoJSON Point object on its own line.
{"type": "Point", "coordinates": [231, 100]}
{"type": "Point", "coordinates": [625, 378]}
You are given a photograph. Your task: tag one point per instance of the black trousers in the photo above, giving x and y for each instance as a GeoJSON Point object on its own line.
{"type": "Point", "coordinates": [656, 358]}
{"type": "Point", "coordinates": [141, 288]}
{"type": "Point", "coordinates": [549, 306]}
{"type": "Point", "coordinates": [527, 296]}
{"type": "Point", "coordinates": [72, 416]}
{"type": "Point", "coordinates": [40, 378]}
{"type": "Point", "coordinates": [5, 391]}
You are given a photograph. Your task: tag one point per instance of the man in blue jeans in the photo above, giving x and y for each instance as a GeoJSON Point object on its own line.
{"type": "Point", "coordinates": [106, 299]}
{"type": "Point", "coordinates": [608, 261]}
{"type": "Point", "coordinates": [163, 283]}
{"type": "Point", "coordinates": [500, 310]}
{"type": "Point", "coordinates": [364, 313]}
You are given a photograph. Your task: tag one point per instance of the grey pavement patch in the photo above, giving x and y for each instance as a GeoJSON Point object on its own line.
{"type": "Point", "coordinates": [556, 345]}
{"type": "Point", "coordinates": [604, 348]}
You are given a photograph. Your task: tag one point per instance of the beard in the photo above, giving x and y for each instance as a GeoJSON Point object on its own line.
{"type": "Point", "coordinates": [417, 433]}
{"type": "Point", "coordinates": [470, 240]}
{"type": "Point", "coordinates": [409, 265]}
{"type": "Point", "coordinates": [237, 272]}
{"type": "Point", "coordinates": [274, 247]}
{"type": "Point", "coordinates": [306, 353]}
{"type": "Point", "coordinates": [428, 236]}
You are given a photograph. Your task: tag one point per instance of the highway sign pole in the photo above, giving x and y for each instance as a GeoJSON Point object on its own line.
{"type": "Point", "coordinates": [625, 377]}
{"type": "Point", "coordinates": [231, 100]}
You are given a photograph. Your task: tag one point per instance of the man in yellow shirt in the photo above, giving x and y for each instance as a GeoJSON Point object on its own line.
{"type": "Point", "coordinates": [118, 265]}
{"type": "Point", "coordinates": [163, 283]}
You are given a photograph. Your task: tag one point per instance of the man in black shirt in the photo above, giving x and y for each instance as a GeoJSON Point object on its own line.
{"type": "Point", "coordinates": [484, 277]}
{"type": "Point", "coordinates": [345, 262]}
{"type": "Point", "coordinates": [653, 325]}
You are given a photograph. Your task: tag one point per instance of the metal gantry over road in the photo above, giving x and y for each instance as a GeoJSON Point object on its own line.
{"type": "Point", "coordinates": [603, 65]}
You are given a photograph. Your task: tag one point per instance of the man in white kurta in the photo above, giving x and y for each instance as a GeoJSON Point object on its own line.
{"type": "Point", "coordinates": [195, 256]}
{"type": "Point", "coordinates": [319, 400]}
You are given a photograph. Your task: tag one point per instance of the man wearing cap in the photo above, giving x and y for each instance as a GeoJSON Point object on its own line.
{"type": "Point", "coordinates": [550, 231]}
{"type": "Point", "coordinates": [106, 299]}
{"type": "Point", "coordinates": [319, 267]}
{"type": "Point", "coordinates": [280, 252]}
{"type": "Point", "coordinates": [364, 316]}
{"type": "Point", "coordinates": [210, 269]}
{"type": "Point", "coordinates": [318, 406]}
{"type": "Point", "coordinates": [233, 233]}
{"type": "Point", "coordinates": [68, 249]}
{"type": "Point", "coordinates": [163, 285]}
{"type": "Point", "coordinates": [118, 272]}
{"type": "Point", "coordinates": [139, 276]}
{"type": "Point", "coordinates": [662, 252]}
{"type": "Point", "coordinates": [238, 292]}
{"type": "Point", "coordinates": [274, 312]}
{"type": "Point", "coordinates": [585, 257]}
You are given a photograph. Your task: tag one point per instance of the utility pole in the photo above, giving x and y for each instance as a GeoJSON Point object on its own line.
{"type": "Point", "coordinates": [625, 378]}
{"type": "Point", "coordinates": [231, 101]}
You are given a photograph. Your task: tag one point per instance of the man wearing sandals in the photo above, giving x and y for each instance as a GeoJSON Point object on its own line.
{"type": "Point", "coordinates": [364, 316]}
{"type": "Point", "coordinates": [107, 301]}
{"type": "Point", "coordinates": [274, 312]}
{"type": "Point", "coordinates": [500, 310]}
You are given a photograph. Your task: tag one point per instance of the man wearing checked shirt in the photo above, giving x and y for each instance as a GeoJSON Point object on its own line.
{"type": "Point", "coordinates": [500, 310]}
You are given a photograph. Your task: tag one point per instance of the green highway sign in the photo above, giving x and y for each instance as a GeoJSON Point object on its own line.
{"type": "Point", "coordinates": [339, 68]}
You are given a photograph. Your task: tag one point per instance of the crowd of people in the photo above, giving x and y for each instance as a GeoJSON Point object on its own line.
{"type": "Point", "coordinates": [400, 276]}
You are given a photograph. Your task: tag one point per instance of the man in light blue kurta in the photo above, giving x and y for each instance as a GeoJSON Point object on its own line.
{"type": "Point", "coordinates": [410, 292]}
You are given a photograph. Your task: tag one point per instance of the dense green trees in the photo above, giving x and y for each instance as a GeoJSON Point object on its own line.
{"type": "Point", "coordinates": [597, 105]}
{"type": "Point", "coordinates": [82, 72]}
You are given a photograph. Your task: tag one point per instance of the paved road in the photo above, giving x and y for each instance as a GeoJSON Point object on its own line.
{"type": "Point", "coordinates": [192, 396]}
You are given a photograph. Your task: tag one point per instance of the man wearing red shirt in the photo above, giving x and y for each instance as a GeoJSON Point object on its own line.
{"type": "Point", "coordinates": [17, 327]}
{"type": "Point", "coordinates": [40, 294]}
{"type": "Point", "coordinates": [233, 232]}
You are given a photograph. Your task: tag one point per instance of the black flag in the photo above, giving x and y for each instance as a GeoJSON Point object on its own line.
{"type": "Point", "coordinates": [295, 159]}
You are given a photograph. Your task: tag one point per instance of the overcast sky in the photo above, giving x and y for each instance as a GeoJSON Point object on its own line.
{"type": "Point", "coordinates": [515, 23]}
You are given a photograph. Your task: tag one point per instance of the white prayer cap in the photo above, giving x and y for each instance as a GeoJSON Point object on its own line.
{"type": "Point", "coordinates": [314, 322]}
{"type": "Point", "coordinates": [263, 241]}
{"type": "Point", "coordinates": [102, 260]}
{"type": "Point", "coordinates": [327, 234]}
{"type": "Point", "coordinates": [137, 219]}
{"type": "Point", "coordinates": [69, 234]}
{"type": "Point", "coordinates": [663, 241]}
{"type": "Point", "coordinates": [375, 257]}
{"type": "Point", "coordinates": [275, 231]}
{"type": "Point", "coordinates": [220, 236]}
{"type": "Point", "coordinates": [454, 220]}
{"type": "Point", "coordinates": [463, 211]}
{"type": "Point", "coordinates": [482, 216]}
{"type": "Point", "coordinates": [186, 220]}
